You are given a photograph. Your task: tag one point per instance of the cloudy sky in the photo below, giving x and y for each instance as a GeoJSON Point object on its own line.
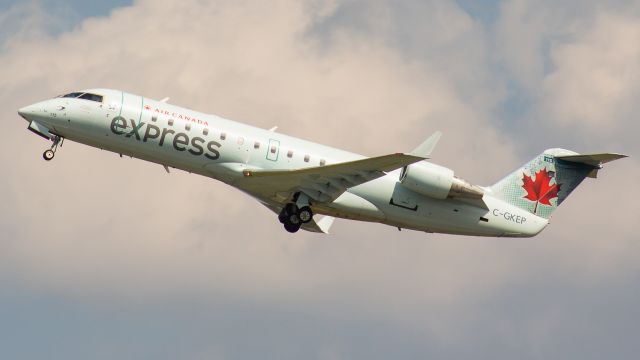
{"type": "Point", "coordinates": [103, 257]}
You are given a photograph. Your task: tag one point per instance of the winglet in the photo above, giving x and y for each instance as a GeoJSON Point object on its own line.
{"type": "Point", "coordinates": [424, 150]}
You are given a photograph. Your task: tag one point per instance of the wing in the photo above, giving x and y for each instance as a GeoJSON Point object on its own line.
{"type": "Point", "coordinates": [324, 183]}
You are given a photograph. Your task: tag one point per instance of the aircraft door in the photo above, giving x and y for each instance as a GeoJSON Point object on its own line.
{"type": "Point", "coordinates": [274, 150]}
{"type": "Point", "coordinates": [112, 107]}
{"type": "Point", "coordinates": [131, 108]}
{"type": "Point", "coordinates": [87, 114]}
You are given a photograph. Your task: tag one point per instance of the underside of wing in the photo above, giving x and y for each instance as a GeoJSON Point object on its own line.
{"type": "Point", "coordinates": [324, 183]}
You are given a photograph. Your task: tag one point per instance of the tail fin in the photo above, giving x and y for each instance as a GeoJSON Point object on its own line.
{"type": "Point", "coordinates": [542, 184]}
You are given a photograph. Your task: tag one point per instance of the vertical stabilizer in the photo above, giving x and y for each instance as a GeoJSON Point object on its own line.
{"type": "Point", "coordinates": [542, 184]}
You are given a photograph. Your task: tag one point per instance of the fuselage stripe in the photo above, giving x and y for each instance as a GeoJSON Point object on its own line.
{"type": "Point", "coordinates": [121, 103]}
{"type": "Point", "coordinates": [141, 108]}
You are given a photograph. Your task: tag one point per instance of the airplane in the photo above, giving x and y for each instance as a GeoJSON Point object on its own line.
{"type": "Point", "coordinates": [298, 179]}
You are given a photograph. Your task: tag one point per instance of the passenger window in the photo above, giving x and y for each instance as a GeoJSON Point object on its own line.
{"type": "Point", "coordinates": [306, 158]}
{"type": "Point", "coordinates": [322, 162]}
{"type": "Point", "coordinates": [290, 153]}
{"type": "Point", "coordinates": [154, 118]}
{"type": "Point", "coordinates": [273, 149]}
{"type": "Point", "coordinates": [205, 131]}
{"type": "Point", "coordinates": [170, 122]}
{"type": "Point", "coordinates": [256, 145]}
{"type": "Point", "coordinates": [223, 136]}
{"type": "Point", "coordinates": [187, 127]}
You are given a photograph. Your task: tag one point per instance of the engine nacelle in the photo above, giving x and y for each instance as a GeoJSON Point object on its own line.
{"type": "Point", "coordinates": [437, 182]}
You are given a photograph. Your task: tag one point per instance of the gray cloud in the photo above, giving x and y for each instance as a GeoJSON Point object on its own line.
{"type": "Point", "coordinates": [153, 258]}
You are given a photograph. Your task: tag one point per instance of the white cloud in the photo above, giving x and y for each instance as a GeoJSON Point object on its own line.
{"type": "Point", "coordinates": [98, 227]}
{"type": "Point", "coordinates": [597, 76]}
{"type": "Point", "coordinates": [358, 93]}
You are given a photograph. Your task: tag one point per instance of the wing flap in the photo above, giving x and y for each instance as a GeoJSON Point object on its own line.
{"type": "Point", "coordinates": [369, 168]}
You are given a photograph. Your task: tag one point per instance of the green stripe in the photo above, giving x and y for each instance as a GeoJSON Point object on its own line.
{"type": "Point", "coordinates": [121, 103]}
{"type": "Point", "coordinates": [141, 108]}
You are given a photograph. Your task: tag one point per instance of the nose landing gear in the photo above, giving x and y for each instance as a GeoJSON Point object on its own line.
{"type": "Point", "coordinates": [50, 153]}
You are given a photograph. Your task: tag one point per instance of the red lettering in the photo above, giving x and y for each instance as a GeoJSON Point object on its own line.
{"type": "Point", "coordinates": [181, 116]}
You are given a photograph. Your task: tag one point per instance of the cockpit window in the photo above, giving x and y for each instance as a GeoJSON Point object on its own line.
{"type": "Point", "coordinates": [85, 96]}
{"type": "Point", "coordinates": [92, 97]}
{"type": "Point", "coordinates": [72, 95]}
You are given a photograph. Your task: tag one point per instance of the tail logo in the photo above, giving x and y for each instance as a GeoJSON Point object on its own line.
{"type": "Point", "coordinates": [540, 190]}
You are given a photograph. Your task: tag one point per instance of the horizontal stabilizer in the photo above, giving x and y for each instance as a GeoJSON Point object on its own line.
{"type": "Point", "coordinates": [592, 159]}
{"type": "Point", "coordinates": [426, 148]}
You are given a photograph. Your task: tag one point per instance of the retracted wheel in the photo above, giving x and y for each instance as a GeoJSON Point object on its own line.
{"type": "Point", "coordinates": [305, 214]}
{"type": "Point", "coordinates": [48, 155]}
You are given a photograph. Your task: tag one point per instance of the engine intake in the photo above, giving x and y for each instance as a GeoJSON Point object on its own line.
{"type": "Point", "coordinates": [438, 182]}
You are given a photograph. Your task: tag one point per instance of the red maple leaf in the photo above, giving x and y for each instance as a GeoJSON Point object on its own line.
{"type": "Point", "coordinates": [540, 190]}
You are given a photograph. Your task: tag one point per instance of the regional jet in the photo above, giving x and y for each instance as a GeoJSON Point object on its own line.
{"type": "Point", "coordinates": [299, 180]}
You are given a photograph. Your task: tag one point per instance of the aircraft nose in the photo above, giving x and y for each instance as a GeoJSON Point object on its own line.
{"type": "Point", "coordinates": [28, 112]}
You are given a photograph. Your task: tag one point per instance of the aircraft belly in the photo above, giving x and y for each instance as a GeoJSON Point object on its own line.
{"type": "Point", "coordinates": [350, 206]}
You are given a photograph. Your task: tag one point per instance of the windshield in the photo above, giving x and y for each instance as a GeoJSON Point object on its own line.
{"type": "Point", "coordinates": [82, 95]}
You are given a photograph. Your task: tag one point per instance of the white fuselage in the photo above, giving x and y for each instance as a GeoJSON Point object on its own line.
{"type": "Point", "coordinates": [221, 149]}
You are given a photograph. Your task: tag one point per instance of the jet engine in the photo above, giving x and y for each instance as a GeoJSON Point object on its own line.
{"type": "Point", "coordinates": [437, 182]}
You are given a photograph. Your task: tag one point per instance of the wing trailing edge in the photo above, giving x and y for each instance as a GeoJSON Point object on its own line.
{"type": "Point", "coordinates": [324, 183]}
